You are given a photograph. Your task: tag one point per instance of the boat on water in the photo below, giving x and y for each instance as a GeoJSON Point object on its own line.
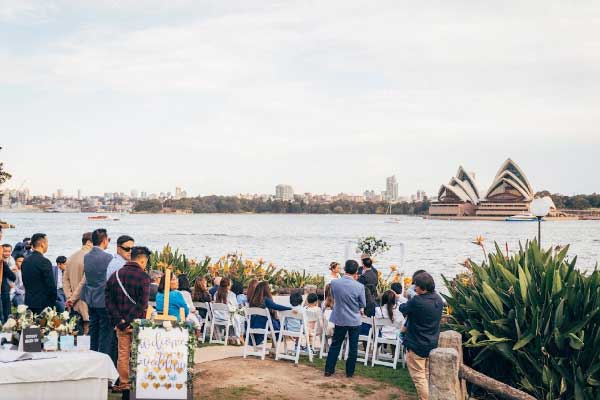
{"type": "Point", "coordinates": [98, 217]}
{"type": "Point", "coordinates": [522, 218]}
{"type": "Point", "coordinates": [390, 219]}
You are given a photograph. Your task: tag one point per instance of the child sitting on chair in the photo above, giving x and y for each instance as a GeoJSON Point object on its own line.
{"type": "Point", "coordinates": [293, 324]}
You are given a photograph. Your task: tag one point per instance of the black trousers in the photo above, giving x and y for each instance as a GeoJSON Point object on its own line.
{"type": "Point", "coordinates": [339, 334]}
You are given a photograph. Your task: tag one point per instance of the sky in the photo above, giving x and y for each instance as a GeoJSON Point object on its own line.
{"type": "Point", "coordinates": [225, 97]}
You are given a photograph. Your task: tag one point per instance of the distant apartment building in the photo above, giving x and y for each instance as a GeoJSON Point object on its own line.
{"type": "Point", "coordinates": [284, 192]}
{"type": "Point", "coordinates": [134, 194]}
{"type": "Point", "coordinates": [60, 194]}
{"type": "Point", "coordinates": [391, 189]}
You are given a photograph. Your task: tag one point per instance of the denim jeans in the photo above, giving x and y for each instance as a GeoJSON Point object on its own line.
{"type": "Point", "coordinates": [61, 299]}
{"type": "Point", "coordinates": [18, 300]}
{"type": "Point", "coordinates": [100, 330]}
{"type": "Point", "coordinates": [339, 334]}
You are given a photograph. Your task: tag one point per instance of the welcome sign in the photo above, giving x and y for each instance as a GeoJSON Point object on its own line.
{"type": "Point", "coordinates": [162, 363]}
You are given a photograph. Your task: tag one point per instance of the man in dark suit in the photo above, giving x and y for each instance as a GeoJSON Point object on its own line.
{"type": "Point", "coordinates": [5, 275]}
{"type": "Point", "coordinates": [38, 279]}
{"type": "Point", "coordinates": [95, 264]}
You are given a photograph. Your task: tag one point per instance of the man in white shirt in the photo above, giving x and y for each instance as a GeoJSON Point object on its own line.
{"type": "Point", "coordinates": [124, 245]}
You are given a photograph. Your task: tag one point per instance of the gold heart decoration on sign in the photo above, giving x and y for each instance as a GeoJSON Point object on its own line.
{"type": "Point", "coordinates": [145, 385]}
{"type": "Point", "coordinates": [168, 386]}
{"type": "Point", "coordinates": [179, 386]}
{"type": "Point", "coordinates": [156, 385]}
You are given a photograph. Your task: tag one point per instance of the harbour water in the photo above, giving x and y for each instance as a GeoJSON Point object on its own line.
{"type": "Point", "coordinates": [311, 242]}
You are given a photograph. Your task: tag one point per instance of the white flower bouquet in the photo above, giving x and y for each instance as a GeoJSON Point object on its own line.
{"type": "Point", "coordinates": [371, 246]}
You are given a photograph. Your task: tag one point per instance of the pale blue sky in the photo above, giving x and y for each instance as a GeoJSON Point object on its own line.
{"type": "Point", "coordinates": [328, 96]}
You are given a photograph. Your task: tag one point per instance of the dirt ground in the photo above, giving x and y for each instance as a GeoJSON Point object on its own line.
{"type": "Point", "coordinates": [236, 378]}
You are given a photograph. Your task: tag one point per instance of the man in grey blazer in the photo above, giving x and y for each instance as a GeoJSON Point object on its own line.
{"type": "Point", "coordinates": [95, 264]}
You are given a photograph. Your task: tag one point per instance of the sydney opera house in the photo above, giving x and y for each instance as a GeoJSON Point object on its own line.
{"type": "Point", "coordinates": [509, 194]}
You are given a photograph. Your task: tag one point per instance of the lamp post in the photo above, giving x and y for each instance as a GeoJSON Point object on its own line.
{"type": "Point", "coordinates": [539, 208]}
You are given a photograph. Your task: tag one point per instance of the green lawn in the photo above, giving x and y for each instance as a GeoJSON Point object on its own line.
{"type": "Point", "coordinates": [398, 378]}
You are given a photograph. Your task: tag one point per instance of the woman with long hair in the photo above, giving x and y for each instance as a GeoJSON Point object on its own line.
{"type": "Point", "coordinates": [200, 294]}
{"type": "Point", "coordinates": [389, 310]}
{"type": "Point", "coordinates": [186, 292]}
{"type": "Point", "coordinates": [262, 298]}
{"type": "Point", "coordinates": [224, 295]}
{"type": "Point", "coordinates": [328, 309]}
{"type": "Point", "coordinates": [334, 272]}
{"type": "Point", "coordinates": [251, 288]}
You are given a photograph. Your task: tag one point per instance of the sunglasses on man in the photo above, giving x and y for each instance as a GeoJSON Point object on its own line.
{"type": "Point", "coordinates": [126, 249]}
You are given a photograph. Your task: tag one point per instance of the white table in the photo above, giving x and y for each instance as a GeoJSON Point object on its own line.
{"type": "Point", "coordinates": [72, 375]}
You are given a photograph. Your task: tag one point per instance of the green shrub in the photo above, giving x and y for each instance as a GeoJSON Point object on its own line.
{"type": "Point", "coordinates": [531, 320]}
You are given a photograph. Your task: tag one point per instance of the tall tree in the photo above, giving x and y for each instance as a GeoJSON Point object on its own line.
{"type": "Point", "coordinates": [4, 176]}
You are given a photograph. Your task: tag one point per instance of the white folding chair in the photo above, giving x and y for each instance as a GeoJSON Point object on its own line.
{"type": "Point", "coordinates": [363, 356]}
{"type": "Point", "coordinates": [380, 358]}
{"type": "Point", "coordinates": [207, 321]}
{"type": "Point", "coordinates": [296, 336]}
{"type": "Point", "coordinates": [264, 331]}
{"type": "Point", "coordinates": [326, 341]}
{"type": "Point", "coordinates": [316, 317]}
{"type": "Point", "coordinates": [221, 317]}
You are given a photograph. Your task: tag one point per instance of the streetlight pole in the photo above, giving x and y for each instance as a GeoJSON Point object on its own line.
{"type": "Point", "coordinates": [539, 219]}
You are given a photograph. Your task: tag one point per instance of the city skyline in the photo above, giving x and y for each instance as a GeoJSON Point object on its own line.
{"type": "Point", "coordinates": [238, 97]}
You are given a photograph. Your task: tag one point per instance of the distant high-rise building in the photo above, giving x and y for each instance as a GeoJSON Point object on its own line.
{"type": "Point", "coordinates": [391, 188]}
{"type": "Point", "coordinates": [59, 193]}
{"type": "Point", "coordinates": [134, 194]}
{"type": "Point", "coordinates": [284, 192]}
{"type": "Point", "coordinates": [178, 193]}
{"type": "Point", "coordinates": [143, 195]}
{"type": "Point", "coordinates": [421, 195]}
{"type": "Point", "coordinates": [79, 192]}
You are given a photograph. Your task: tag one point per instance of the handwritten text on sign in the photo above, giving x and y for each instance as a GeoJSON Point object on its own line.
{"type": "Point", "coordinates": [162, 364]}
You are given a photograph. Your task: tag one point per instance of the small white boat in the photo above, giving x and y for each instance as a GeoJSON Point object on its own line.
{"type": "Point", "coordinates": [522, 218]}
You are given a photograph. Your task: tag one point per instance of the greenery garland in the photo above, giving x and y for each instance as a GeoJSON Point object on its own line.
{"type": "Point", "coordinates": [137, 324]}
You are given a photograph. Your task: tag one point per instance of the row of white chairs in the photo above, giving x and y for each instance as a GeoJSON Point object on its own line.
{"type": "Point", "coordinates": [303, 338]}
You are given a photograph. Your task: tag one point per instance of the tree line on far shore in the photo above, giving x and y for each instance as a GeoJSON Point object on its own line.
{"type": "Point", "coordinates": [577, 202]}
{"type": "Point", "coordinates": [231, 205]}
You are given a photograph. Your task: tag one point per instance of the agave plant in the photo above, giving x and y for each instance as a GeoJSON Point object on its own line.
{"type": "Point", "coordinates": [531, 320]}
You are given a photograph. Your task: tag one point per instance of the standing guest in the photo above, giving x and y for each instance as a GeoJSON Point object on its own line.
{"type": "Point", "coordinates": [424, 312]}
{"type": "Point", "coordinates": [176, 300]}
{"type": "Point", "coordinates": [127, 293]}
{"type": "Point", "coordinates": [27, 247]}
{"type": "Point", "coordinates": [58, 271]}
{"type": "Point", "coordinates": [95, 264]}
{"type": "Point", "coordinates": [349, 302]}
{"type": "Point", "coordinates": [238, 289]}
{"type": "Point", "coordinates": [262, 298]}
{"type": "Point", "coordinates": [154, 281]}
{"type": "Point", "coordinates": [38, 279]}
{"type": "Point", "coordinates": [6, 275]}
{"type": "Point", "coordinates": [73, 277]}
{"type": "Point", "coordinates": [216, 282]}
{"type": "Point", "coordinates": [19, 295]}
{"type": "Point", "coordinates": [6, 255]}
{"type": "Point", "coordinates": [124, 245]}
{"type": "Point", "coordinates": [334, 272]}
{"type": "Point", "coordinates": [200, 294]}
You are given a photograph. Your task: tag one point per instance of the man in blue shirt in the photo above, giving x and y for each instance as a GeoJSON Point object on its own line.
{"type": "Point", "coordinates": [349, 302]}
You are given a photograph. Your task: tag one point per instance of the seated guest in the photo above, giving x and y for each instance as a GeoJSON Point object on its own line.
{"type": "Point", "coordinates": [327, 309]}
{"type": "Point", "coordinates": [389, 310]}
{"type": "Point", "coordinates": [19, 295]}
{"type": "Point", "coordinates": [262, 298]}
{"type": "Point", "coordinates": [154, 282]}
{"type": "Point", "coordinates": [176, 300]}
{"type": "Point", "coordinates": [312, 311]}
{"type": "Point", "coordinates": [225, 296]}
{"type": "Point", "coordinates": [200, 294]}
{"type": "Point", "coordinates": [293, 324]}
{"type": "Point", "coordinates": [238, 289]}
{"type": "Point", "coordinates": [186, 292]}
{"type": "Point", "coordinates": [397, 288]}
{"type": "Point", "coordinates": [424, 313]}
{"type": "Point", "coordinates": [58, 270]}
{"type": "Point", "coordinates": [251, 288]}
{"type": "Point", "coordinates": [216, 281]}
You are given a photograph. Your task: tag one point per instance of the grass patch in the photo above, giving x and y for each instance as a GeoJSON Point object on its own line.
{"type": "Point", "coordinates": [233, 393]}
{"type": "Point", "coordinates": [364, 390]}
{"type": "Point", "coordinates": [397, 378]}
